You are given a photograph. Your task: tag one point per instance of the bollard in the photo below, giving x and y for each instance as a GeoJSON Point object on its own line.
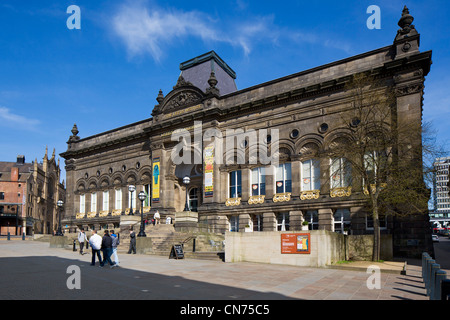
{"type": "Point", "coordinates": [424, 256]}
{"type": "Point", "coordinates": [439, 276]}
{"type": "Point", "coordinates": [434, 268]}
{"type": "Point", "coordinates": [426, 277]}
{"type": "Point", "coordinates": [23, 236]}
{"type": "Point", "coordinates": [445, 289]}
{"type": "Point", "coordinates": [9, 236]}
{"type": "Point", "coordinates": [87, 244]}
{"type": "Point", "coordinates": [74, 245]}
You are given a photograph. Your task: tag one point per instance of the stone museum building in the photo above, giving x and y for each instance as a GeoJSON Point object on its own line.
{"type": "Point", "coordinates": [28, 196]}
{"type": "Point", "coordinates": [229, 188]}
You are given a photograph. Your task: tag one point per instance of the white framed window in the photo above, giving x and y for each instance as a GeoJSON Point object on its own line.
{"type": "Point", "coordinates": [310, 175]}
{"type": "Point", "coordinates": [118, 199]}
{"type": "Point", "coordinates": [257, 222]}
{"type": "Point", "coordinates": [283, 181]}
{"type": "Point", "coordinates": [235, 183]}
{"type": "Point", "coordinates": [105, 205]}
{"type": "Point", "coordinates": [94, 202]}
{"type": "Point", "coordinates": [234, 223]}
{"type": "Point", "coordinates": [147, 190]}
{"type": "Point", "coordinates": [283, 221]}
{"type": "Point", "coordinates": [132, 199]}
{"type": "Point", "coordinates": [340, 173]}
{"type": "Point", "coordinates": [373, 161]}
{"type": "Point", "coordinates": [312, 216]}
{"type": "Point", "coordinates": [258, 182]}
{"type": "Point", "coordinates": [342, 221]}
{"type": "Point", "coordinates": [82, 203]}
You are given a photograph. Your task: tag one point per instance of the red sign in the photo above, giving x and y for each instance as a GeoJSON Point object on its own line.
{"type": "Point", "coordinates": [296, 243]}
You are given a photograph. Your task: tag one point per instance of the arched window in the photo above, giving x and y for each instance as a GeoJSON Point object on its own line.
{"type": "Point", "coordinates": [193, 199]}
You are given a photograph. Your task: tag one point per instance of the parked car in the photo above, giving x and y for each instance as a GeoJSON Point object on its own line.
{"type": "Point", "coordinates": [435, 238]}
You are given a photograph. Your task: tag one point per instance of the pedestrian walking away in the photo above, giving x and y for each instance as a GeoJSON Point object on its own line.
{"type": "Point", "coordinates": [132, 242]}
{"type": "Point", "coordinates": [96, 243]}
{"type": "Point", "coordinates": [115, 243]}
{"type": "Point", "coordinates": [107, 249]}
{"type": "Point", "coordinates": [81, 239]}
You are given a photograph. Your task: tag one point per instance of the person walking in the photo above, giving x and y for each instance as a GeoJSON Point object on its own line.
{"type": "Point", "coordinates": [96, 243]}
{"type": "Point", "coordinates": [132, 242]}
{"type": "Point", "coordinates": [115, 243]}
{"type": "Point", "coordinates": [81, 239]}
{"type": "Point", "coordinates": [156, 216]}
{"type": "Point", "coordinates": [107, 249]}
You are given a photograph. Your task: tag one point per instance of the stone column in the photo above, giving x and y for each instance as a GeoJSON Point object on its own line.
{"type": "Point", "coordinates": [295, 220]}
{"type": "Point", "coordinates": [269, 221]}
{"type": "Point", "coordinates": [270, 182]}
{"type": "Point", "coordinates": [326, 219]}
{"type": "Point", "coordinates": [296, 177]}
{"type": "Point", "coordinates": [246, 187]}
{"type": "Point", "coordinates": [244, 219]}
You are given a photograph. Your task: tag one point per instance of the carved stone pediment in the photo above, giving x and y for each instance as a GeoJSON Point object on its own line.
{"type": "Point", "coordinates": [183, 95]}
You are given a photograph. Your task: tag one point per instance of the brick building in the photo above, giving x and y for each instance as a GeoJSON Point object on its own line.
{"type": "Point", "coordinates": [28, 195]}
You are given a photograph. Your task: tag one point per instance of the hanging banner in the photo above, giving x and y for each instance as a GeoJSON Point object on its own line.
{"type": "Point", "coordinates": [155, 179]}
{"type": "Point", "coordinates": [208, 170]}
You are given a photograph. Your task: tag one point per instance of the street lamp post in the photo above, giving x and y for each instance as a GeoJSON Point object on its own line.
{"type": "Point", "coordinates": [142, 197]}
{"type": "Point", "coordinates": [60, 205]}
{"type": "Point", "coordinates": [186, 181]}
{"type": "Point", "coordinates": [131, 188]}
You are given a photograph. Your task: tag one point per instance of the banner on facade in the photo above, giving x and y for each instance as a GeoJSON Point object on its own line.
{"type": "Point", "coordinates": [208, 170]}
{"type": "Point", "coordinates": [155, 179]}
{"type": "Point", "coordinates": [295, 243]}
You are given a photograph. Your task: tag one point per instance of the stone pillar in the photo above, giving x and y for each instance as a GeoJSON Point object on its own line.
{"type": "Point", "coordinates": [246, 187]}
{"type": "Point", "coordinates": [270, 183]}
{"type": "Point", "coordinates": [296, 177]}
{"type": "Point", "coordinates": [269, 221]}
{"type": "Point", "coordinates": [326, 219]}
{"type": "Point", "coordinates": [244, 220]}
{"type": "Point", "coordinates": [295, 220]}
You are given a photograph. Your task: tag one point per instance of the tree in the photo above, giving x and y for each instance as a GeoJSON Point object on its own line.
{"type": "Point", "coordinates": [382, 152]}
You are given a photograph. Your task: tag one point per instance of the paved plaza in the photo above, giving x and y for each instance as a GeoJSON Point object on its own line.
{"type": "Point", "coordinates": [33, 270]}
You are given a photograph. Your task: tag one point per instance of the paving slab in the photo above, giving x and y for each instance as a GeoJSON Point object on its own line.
{"type": "Point", "coordinates": [36, 271]}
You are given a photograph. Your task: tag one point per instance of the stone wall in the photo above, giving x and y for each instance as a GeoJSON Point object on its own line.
{"type": "Point", "coordinates": [265, 247]}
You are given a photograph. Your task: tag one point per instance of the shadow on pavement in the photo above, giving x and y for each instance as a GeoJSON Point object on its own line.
{"type": "Point", "coordinates": [46, 278]}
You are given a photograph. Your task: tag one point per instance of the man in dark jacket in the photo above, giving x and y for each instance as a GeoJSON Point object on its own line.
{"type": "Point", "coordinates": [107, 249]}
{"type": "Point", "coordinates": [132, 242]}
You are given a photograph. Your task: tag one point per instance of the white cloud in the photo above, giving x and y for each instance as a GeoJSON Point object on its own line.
{"type": "Point", "coordinates": [13, 120]}
{"type": "Point", "coordinates": [148, 29]}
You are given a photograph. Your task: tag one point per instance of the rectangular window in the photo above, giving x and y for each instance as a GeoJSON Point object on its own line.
{"type": "Point", "coordinates": [82, 203]}
{"type": "Point", "coordinates": [94, 202]}
{"type": "Point", "coordinates": [258, 181]}
{"type": "Point", "coordinates": [132, 199]}
{"type": "Point", "coordinates": [235, 184]}
{"type": "Point", "coordinates": [310, 175]}
{"type": "Point", "coordinates": [2, 196]}
{"type": "Point", "coordinates": [147, 193]}
{"type": "Point", "coordinates": [283, 221]}
{"type": "Point", "coordinates": [258, 222]}
{"type": "Point", "coordinates": [105, 206]}
{"type": "Point", "coordinates": [283, 181]}
{"type": "Point", "coordinates": [118, 199]}
{"type": "Point", "coordinates": [234, 223]}
{"type": "Point", "coordinates": [381, 218]}
{"type": "Point", "coordinates": [340, 173]}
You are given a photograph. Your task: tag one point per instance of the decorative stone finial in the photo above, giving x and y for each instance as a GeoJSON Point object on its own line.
{"type": "Point", "coordinates": [212, 81]}
{"type": "Point", "coordinates": [75, 130]}
{"type": "Point", "coordinates": [406, 20]}
{"type": "Point", "coordinates": [160, 97]}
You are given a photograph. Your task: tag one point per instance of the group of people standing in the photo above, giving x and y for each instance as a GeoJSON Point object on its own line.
{"type": "Point", "coordinates": [107, 244]}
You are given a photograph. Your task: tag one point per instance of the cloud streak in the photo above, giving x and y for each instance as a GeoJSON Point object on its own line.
{"type": "Point", "coordinates": [146, 30]}
{"type": "Point", "coordinates": [13, 120]}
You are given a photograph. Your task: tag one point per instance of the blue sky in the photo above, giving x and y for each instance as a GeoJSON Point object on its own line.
{"type": "Point", "coordinates": [108, 73]}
